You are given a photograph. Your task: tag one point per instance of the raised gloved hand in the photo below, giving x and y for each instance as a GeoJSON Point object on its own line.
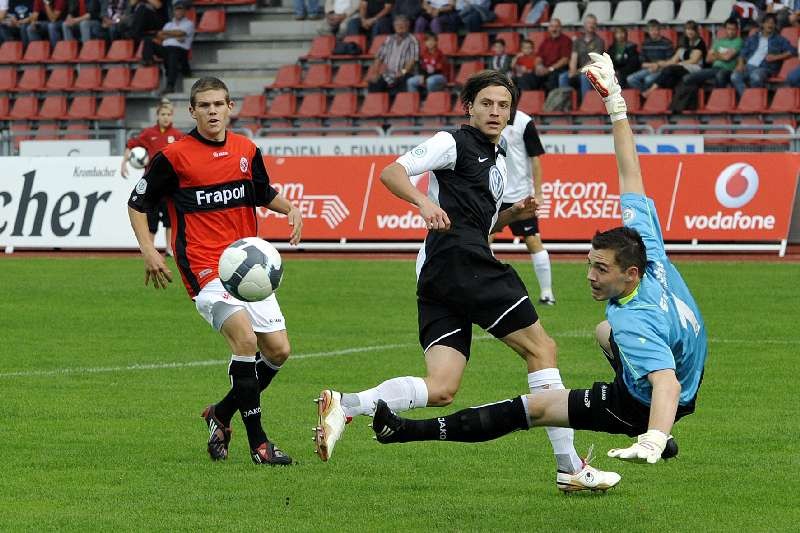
{"type": "Point", "coordinates": [647, 449]}
{"type": "Point", "coordinates": [600, 73]}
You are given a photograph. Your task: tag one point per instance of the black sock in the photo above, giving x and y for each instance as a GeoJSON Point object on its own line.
{"type": "Point", "coordinates": [266, 371]}
{"type": "Point", "coordinates": [226, 407]}
{"type": "Point", "coordinates": [475, 424]}
{"type": "Point", "coordinates": [245, 388]}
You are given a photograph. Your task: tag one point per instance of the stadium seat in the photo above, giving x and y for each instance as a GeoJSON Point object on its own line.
{"type": "Point", "coordinates": [375, 105]}
{"type": "Point", "coordinates": [53, 108]}
{"type": "Point", "coordinates": [661, 10]}
{"type": "Point", "coordinates": [657, 102]}
{"type": "Point", "coordinates": [405, 105]}
{"type": "Point", "coordinates": [632, 99]}
{"type": "Point", "coordinates": [288, 76]}
{"type": "Point", "coordinates": [690, 10]}
{"type": "Point", "coordinates": [358, 40]}
{"type": "Point", "coordinates": [64, 52]}
{"type": "Point", "coordinates": [537, 37]}
{"type": "Point", "coordinates": [321, 47]}
{"type": "Point", "coordinates": [786, 100]}
{"type": "Point", "coordinates": [685, 120]}
{"type": "Point", "coordinates": [722, 122]}
{"type": "Point", "coordinates": [567, 12]}
{"type": "Point", "coordinates": [25, 108]}
{"type": "Point", "coordinates": [628, 12]}
{"type": "Point", "coordinates": [111, 107]}
{"type": "Point", "coordinates": [636, 36]}
{"type": "Point", "coordinates": [145, 79]}
{"type": "Point", "coordinates": [10, 52]}
{"type": "Point", "coordinates": [437, 103]}
{"type": "Point", "coordinates": [82, 108]}
{"type": "Point", "coordinates": [721, 101]}
{"type": "Point", "coordinates": [607, 36]}
{"type": "Point", "coordinates": [531, 102]}
{"type": "Point", "coordinates": [720, 12]}
{"type": "Point", "coordinates": [118, 78]}
{"type": "Point", "coordinates": [753, 100]}
{"type": "Point", "coordinates": [282, 106]}
{"type": "Point", "coordinates": [467, 69]}
{"type": "Point", "coordinates": [4, 105]}
{"type": "Point", "coordinates": [89, 78]}
{"type": "Point", "coordinates": [344, 104]}
{"type": "Point", "coordinates": [506, 15]}
{"type": "Point", "coordinates": [77, 131]}
{"type": "Point", "coordinates": [592, 104]}
{"type": "Point", "coordinates": [121, 51]}
{"type": "Point", "coordinates": [18, 132]}
{"type": "Point", "coordinates": [37, 52]}
{"type": "Point", "coordinates": [601, 10]}
{"type": "Point", "coordinates": [33, 79]}
{"type": "Point", "coordinates": [317, 76]}
{"type": "Point", "coordinates": [313, 105]}
{"type": "Point", "coordinates": [8, 79]}
{"type": "Point", "coordinates": [348, 76]}
{"type": "Point", "coordinates": [376, 44]}
{"type": "Point", "coordinates": [512, 39]}
{"type": "Point", "coordinates": [212, 21]}
{"type": "Point", "coordinates": [253, 106]}
{"type": "Point", "coordinates": [47, 131]}
{"type": "Point", "coordinates": [447, 43]}
{"type": "Point", "coordinates": [787, 66]}
{"type": "Point", "coordinates": [475, 44]}
{"type": "Point", "coordinates": [92, 51]}
{"type": "Point", "coordinates": [791, 34]}
{"type": "Point", "coordinates": [562, 120]}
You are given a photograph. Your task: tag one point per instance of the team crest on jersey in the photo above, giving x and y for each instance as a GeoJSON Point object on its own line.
{"type": "Point", "coordinates": [243, 164]}
{"type": "Point", "coordinates": [141, 186]}
{"type": "Point", "coordinates": [170, 139]}
{"type": "Point", "coordinates": [419, 151]}
{"type": "Point", "coordinates": [496, 182]}
{"type": "Point", "coordinates": [628, 215]}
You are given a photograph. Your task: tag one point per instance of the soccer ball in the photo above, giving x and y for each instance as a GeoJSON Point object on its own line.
{"type": "Point", "coordinates": [250, 269]}
{"type": "Point", "coordinates": [138, 157]}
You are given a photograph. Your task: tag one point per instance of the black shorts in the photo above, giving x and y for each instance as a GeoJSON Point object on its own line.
{"type": "Point", "coordinates": [465, 286]}
{"type": "Point", "coordinates": [157, 215]}
{"type": "Point", "coordinates": [522, 228]}
{"type": "Point", "coordinates": [610, 408]}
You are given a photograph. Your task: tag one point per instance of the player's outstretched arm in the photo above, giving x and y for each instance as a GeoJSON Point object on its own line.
{"type": "Point", "coordinates": [396, 179]}
{"type": "Point", "coordinates": [600, 73]}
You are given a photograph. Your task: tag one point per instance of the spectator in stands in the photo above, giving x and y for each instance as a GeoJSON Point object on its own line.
{"type": "Point", "coordinates": [747, 14]}
{"type": "Point", "coordinates": [337, 15]}
{"type": "Point", "coordinates": [793, 79]}
{"type": "Point", "coordinates": [3, 11]}
{"type": "Point", "coordinates": [373, 18]}
{"type": "Point", "coordinates": [144, 19]}
{"type": "Point", "coordinates": [625, 56]}
{"type": "Point", "coordinates": [587, 41]}
{"type": "Point", "coordinates": [656, 49]}
{"type": "Point", "coordinates": [500, 60]}
{"type": "Point", "coordinates": [432, 68]}
{"type": "Point", "coordinates": [438, 15]}
{"type": "Point", "coordinates": [537, 12]}
{"type": "Point", "coordinates": [552, 59]}
{"type": "Point", "coordinates": [782, 9]}
{"type": "Point", "coordinates": [77, 19]}
{"type": "Point", "coordinates": [410, 8]}
{"type": "Point", "coordinates": [47, 18]}
{"type": "Point", "coordinates": [395, 60]}
{"type": "Point", "coordinates": [173, 46]}
{"type": "Point", "coordinates": [14, 26]}
{"type": "Point", "coordinates": [523, 67]}
{"type": "Point", "coordinates": [307, 9]}
{"type": "Point", "coordinates": [473, 13]}
{"type": "Point", "coordinates": [687, 59]}
{"type": "Point", "coordinates": [113, 17]}
{"type": "Point", "coordinates": [722, 57]}
{"type": "Point", "coordinates": [761, 57]}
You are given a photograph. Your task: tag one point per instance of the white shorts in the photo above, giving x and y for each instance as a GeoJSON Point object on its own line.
{"type": "Point", "coordinates": [215, 305]}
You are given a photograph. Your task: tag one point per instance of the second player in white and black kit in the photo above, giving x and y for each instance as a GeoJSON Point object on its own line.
{"type": "Point", "coordinates": [523, 148]}
{"type": "Point", "coordinates": [460, 282]}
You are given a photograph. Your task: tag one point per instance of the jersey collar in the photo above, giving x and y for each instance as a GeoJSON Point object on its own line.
{"type": "Point", "coordinates": [194, 133]}
{"type": "Point", "coordinates": [481, 138]}
{"type": "Point", "coordinates": [628, 298]}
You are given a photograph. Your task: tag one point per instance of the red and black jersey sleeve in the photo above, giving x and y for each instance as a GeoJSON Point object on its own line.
{"type": "Point", "coordinates": [264, 191]}
{"type": "Point", "coordinates": [159, 181]}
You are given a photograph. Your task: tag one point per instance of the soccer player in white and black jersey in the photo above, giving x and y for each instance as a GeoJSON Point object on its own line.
{"type": "Point", "coordinates": [459, 281]}
{"type": "Point", "coordinates": [523, 148]}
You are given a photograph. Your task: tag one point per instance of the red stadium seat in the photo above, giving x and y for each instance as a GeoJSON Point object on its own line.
{"type": "Point", "coordinates": [436, 104]}
{"type": "Point", "coordinates": [288, 76]}
{"type": "Point", "coordinates": [563, 120]}
{"type": "Point", "coordinates": [47, 131]}
{"type": "Point", "coordinates": [537, 38]}
{"type": "Point", "coordinates": [636, 36]}
{"type": "Point", "coordinates": [592, 104]}
{"type": "Point", "coordinates": [321, 47]}
{"type": "Point", "coordinates": [118, 78]}
{"type": "Point", "coordinates": [458, 110]}
{"type": "Point", "coordinates": [375, 105]}
{"type": "Point", "coordinates": [61, 79]}
{"type": "Point", "coordinates": [685, 120]}
{"type": "Point", "coordinates": [447, 43]}
{"type": "Point", "coordinates": [405, 105]}
{"type": "Point", "coordinates": [77, 131]}
{"type": "Point", "coordinates": [283, 105]}
{"type": "Point", "coordinates": [121, 51]}
{"type": "Point", "coordinates": [54, 108]}
{"type": "Point", "coordinates": [92, 51]}
{"type": "Point", "coordinates": [4, 105]}
{"type": "Point", "coordinates": [313, 105]}
{"type": "Point", "coordinates": [82, 108]}
{"type": "Point", "coordinates": [253, 106]}
{"type": "Point", "coordinates": [33, 79]}
{"type": "Point", "coordinates": [475, 44]}
{"type": "Point", "coordinates": [317, 76]}
{"type": "Point", "coordinates": [37, 52]}
{"type": "Point", "coordinates": [721, 101]}
{"type": "Point", "coordinates": [531, 102]}
{"type": "Point", "coordinates": [89, 78]}
{"type": "Point", "coordinates": [10, 52]}
{"type": "Point", "coordinates": [358, 40]}
{"type": "Point", "coordinates": [348, 75]}
{"type": "Point", "coordinates": [64, 52]}
{"type": "Point", "coordinates": [753, 100]}
{"type": "Point", "coordinates": [786, 100]}
{"type": "Point", "coordinates": [145, 79]}
{"type": "Point", "coordinates": [18, 131]}
{"type": "Point", "coordinates": [791, 34]}
{"type": "Point", "coordinates": [467, 69]}
{"type": "Point", "coordinates": [343, 105]}
{"type": "Point", "coordinates": [721, 121]}
{"type": "Point", "coordinates": [111, 107]}
{"type": "Point", "coordinates": [787, 66]}
{"type": "Point", "coordinates": [376, 44]}
{"type": "Point", "coordinates": [25, 108]}
{"type": "Point", "coordinates": [212, 21]}
{"type": "Point", "coordinates": [506, 15]}
{"type": "Point", "coordinates": [512, 39]}
{"type": "Point", "coordinates": [8, 79]}
{"type": "Point", "coordinates": [632, 99]}
{"type": "Point", "coordinates": [657, 102]}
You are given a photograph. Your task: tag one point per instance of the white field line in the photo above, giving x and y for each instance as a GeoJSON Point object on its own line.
{"type": "Point", "coordinates": [314, 355]}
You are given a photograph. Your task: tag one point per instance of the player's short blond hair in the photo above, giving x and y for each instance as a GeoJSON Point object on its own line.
{"type": "Point", "coordinates": [209, 83]}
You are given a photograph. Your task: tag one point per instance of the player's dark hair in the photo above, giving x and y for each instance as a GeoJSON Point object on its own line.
{"type": "Point", "coordinates": [483, 79]}
{"type": "Point", "coordinates": [654, 22]}
{"type": "Point", "coordinates": [629, 249]}
{"type": "Point", "coordinates": [769, 16]}
{"type": "Point", "coordinates": [208, 83]}
{"type": "Point", "coordinates": [733, 21]}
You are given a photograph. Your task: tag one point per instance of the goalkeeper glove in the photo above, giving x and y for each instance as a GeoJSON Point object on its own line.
{"type": "Point", "coordinates": [600, 73]}
{"type": "Point", "coordinates": [648, 448]}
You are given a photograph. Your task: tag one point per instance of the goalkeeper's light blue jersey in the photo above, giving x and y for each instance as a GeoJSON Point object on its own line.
{"type": "Point", "coordinates": [659, 325]}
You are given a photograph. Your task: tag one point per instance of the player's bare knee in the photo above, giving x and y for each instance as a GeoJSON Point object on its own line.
{"type": "Point", "coordinates": [245, 343]}
{"type": "Point", "coordinates": [277, 354]}
{"type": "Point", "coordinates": [440, 394]}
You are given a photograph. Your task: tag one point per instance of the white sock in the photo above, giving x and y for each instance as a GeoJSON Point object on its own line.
{"type": "Point", "coordinates": [560, 438]}
{"type": "Point", "coordinates": [401, 394]}
{"type": "Point", "coordinates": [541, 266]}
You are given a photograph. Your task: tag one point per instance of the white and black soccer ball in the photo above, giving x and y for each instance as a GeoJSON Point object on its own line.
{"type": "Point", "coordinates": [138, 157]}
{"type": "Point", "coordinates": [250, 269]}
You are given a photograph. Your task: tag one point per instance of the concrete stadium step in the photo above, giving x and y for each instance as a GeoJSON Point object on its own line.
{"type": "Point", "coordinates": [237, 85]}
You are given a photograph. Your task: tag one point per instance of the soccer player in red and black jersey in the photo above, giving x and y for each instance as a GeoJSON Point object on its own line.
{"type": "Point", "coordinates": [213, 180]}
{"type": "Point", "coordinates": [153, 139]}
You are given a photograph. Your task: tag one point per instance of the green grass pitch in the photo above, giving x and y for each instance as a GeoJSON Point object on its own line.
{"type": "Point", "coordinates": [103, 381]}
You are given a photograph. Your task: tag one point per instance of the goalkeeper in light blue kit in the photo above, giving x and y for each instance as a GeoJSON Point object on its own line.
{"type": "Point", "coordinates": [654, 336]}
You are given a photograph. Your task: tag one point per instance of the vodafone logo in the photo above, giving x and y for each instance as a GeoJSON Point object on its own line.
{"type": "Point", "coordinates": [736, 185]}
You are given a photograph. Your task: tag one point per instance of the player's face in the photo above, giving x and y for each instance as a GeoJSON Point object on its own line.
{"type": "Point", "coordinates": [211, 112]}
{"type": "Point", "coordinates": [606, 279]}
{"type": "Point", "coordinates": [490, 111]}
{"type": "Point", "coordinates": [165, 117]}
